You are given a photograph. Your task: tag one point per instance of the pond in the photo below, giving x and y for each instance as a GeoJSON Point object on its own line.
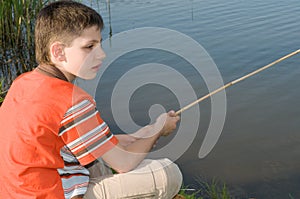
{"type": "Point", "coordinates": [257, 153]}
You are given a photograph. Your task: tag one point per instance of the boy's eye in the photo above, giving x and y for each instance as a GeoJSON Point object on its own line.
{"type": "Point", "coordinates": [90, 46]}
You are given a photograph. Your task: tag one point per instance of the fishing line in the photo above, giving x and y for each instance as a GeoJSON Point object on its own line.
{"type": "Point", "coordinates": [237, 81]}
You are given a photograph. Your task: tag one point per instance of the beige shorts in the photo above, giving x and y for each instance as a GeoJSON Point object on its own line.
{"type": "Point", "coordinates": [151, 179]}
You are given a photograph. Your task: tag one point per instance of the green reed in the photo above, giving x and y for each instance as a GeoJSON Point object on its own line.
{"type": "Point", "coordinates": [17, 37]}
{"type": "Point", "coordinates": [2, 93]}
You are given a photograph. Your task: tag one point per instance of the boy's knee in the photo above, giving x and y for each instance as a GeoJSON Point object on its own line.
{"type": "Point", "coordinates": [172, 179]}
{"type": "Point", "coordinates": [175, 175]}
{"type": "Point", "coordinates": [160, 178]}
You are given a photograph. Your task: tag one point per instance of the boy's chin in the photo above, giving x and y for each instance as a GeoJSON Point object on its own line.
{"type": "Point", "coordinates": [87, 77]}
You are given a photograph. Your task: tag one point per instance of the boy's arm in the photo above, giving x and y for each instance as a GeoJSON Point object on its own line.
{"type": "Point", "coordinates": [126, 139]}
{"type": "Point", "coordinates": [124, 158]}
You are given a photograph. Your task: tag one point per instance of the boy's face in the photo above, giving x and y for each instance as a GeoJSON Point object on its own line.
{"type": "Point", "coordinates": [84, 56]}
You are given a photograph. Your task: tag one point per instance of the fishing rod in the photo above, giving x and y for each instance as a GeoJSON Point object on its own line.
{"type": "Point", "coordinates": [236, 81]}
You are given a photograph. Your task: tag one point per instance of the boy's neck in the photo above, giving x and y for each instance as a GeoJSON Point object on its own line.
{"type": "Point", "coordinates": [52, 71]}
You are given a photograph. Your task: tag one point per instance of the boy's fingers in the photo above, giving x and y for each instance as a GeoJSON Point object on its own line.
{"type": "Point", "coordinates": [172, 113]}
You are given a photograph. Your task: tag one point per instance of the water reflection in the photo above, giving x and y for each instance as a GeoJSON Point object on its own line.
{"type": "Point", "coordinates": [109, 18]}
{"type": "Point", "coordinates": [258, 152]}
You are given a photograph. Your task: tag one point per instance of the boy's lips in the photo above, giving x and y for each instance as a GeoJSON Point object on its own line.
{"type": "Point", "coordinates": [97, 67]}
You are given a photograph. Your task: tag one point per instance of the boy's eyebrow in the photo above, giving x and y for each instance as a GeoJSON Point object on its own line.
{"type": "Point", "coordinates": [95, 41]}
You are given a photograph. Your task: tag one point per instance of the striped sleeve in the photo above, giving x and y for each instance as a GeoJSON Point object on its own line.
{"type": "Point", "coordinates": [85, 134]}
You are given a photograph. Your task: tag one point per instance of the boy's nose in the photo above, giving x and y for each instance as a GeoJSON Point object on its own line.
{"type": "Point", "coordinates": [100, 54]}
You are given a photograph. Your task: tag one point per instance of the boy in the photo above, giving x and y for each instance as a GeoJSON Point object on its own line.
{"type": "Point", "coordinates": [51, 132]}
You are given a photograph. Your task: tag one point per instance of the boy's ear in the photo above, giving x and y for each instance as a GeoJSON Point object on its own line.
{"type": "Point", "coordinates": [57, 52]}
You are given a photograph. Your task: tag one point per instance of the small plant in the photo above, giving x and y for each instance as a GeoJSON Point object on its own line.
{"type": "Point", "coordinates": [189, 193]}
{"type": "Point", "coordinates": [213, 189]}
{"type": "Point", "coordinates": [206, 190]}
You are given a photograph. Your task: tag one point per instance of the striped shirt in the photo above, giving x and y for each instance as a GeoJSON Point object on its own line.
{"type": "Point", "coordinates": [50, 130]}
{"type": "Point", "coordinates": [86, 136]}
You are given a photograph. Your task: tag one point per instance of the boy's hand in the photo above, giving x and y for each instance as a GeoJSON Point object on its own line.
{"type": "Point", "coordinates": [166, 123]}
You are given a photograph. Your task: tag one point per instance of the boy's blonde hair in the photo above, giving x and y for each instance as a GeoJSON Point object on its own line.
{"type": "Point", "coordinates": [62, 21]}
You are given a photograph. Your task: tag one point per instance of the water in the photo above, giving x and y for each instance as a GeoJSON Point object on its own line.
{"type": "Point", "coordinates": [258, 152]}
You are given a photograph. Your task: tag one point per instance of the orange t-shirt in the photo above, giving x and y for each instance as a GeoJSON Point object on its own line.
{"type": "Point", "coordinates": [36, 122]}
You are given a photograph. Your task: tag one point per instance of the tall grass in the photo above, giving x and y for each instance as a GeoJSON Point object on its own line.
{"type": "Point", "coordinates": [2, 93]}
{"type": "Point", "coordinates": [17, 37]}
